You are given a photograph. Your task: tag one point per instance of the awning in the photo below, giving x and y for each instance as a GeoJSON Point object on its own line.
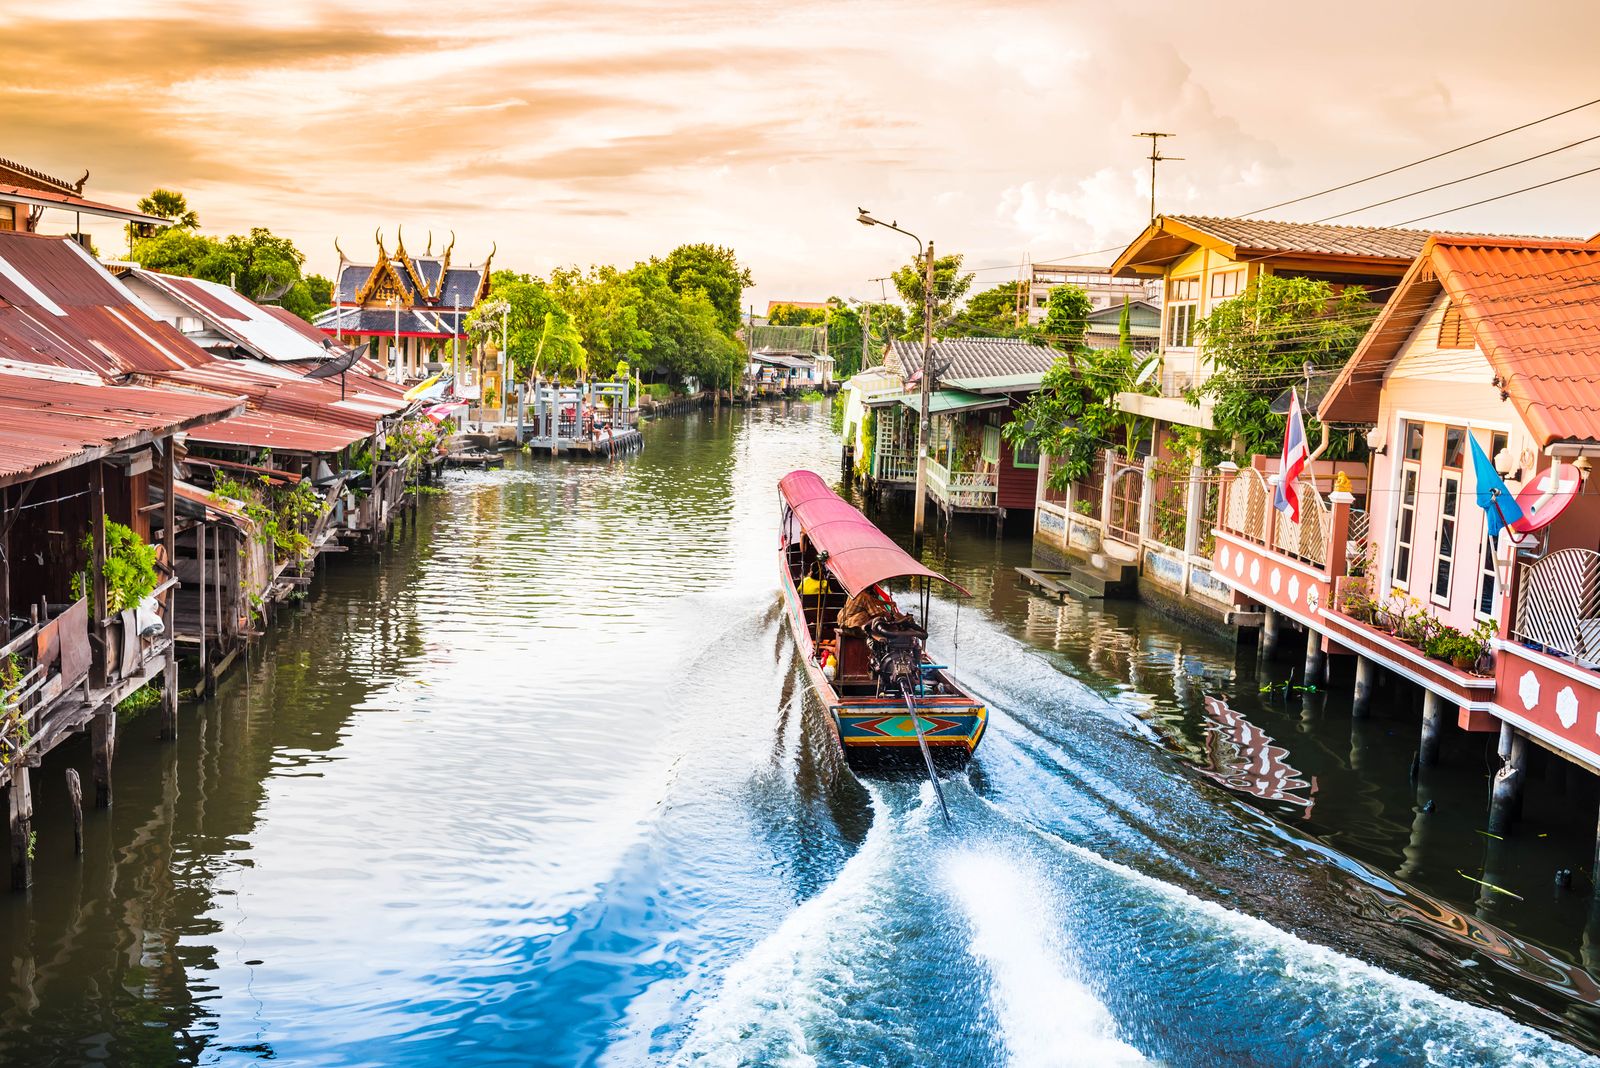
{"type": "Point", "coordinates": [1028, 383]}
{"type": "Point", "coordinates": [855, 552]}
{"type": "Point", "coordinates": [946, 401]}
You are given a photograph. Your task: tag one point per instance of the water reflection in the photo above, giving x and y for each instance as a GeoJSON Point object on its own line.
{"type": "Point", "coordinates": [1243, 757]}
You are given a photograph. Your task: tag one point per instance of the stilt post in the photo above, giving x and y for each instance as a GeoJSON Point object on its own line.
{"type": "Point", "coordinates": [1366, 681]}
{"type": "Point", "coordinates": [103, 737]}
{"type": "Point", "coordinates": [1433, 718]}
{"type": "Point", "coordinates": [1505, 796]}
{"type": "Point", "coordinates": [20, 819]}
{"type": "Point", "coordinates": [75, 799]}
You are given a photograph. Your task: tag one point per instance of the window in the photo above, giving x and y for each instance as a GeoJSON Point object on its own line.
{"type": "Point", "coordinates": [1227, 284]}
{"type": "Point", "coordinates": [1455, 447]}
{"type": "Point", "coordinates": [989, 452]}
{"type": "Point", "coordinates": [1449, 518]}
{"type": "Point", "coordinates": [1488, 581]}
{"type": "Point", "coordinates": [1454, 333]}
{"type": "Point", "coordinates": [1411, 436]}
{"type": "Point", "coordinates": [1025, 456]}
{"type": "Point", "coordinates": [1182, 293]}
{"type": "Point", "coordinates": [1405, 527]}
{"type": "Point", "coordinates": [8, 217]}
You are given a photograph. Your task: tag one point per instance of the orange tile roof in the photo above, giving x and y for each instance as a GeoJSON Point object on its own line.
{"type": "Point", "coordinates": [1534, 308]}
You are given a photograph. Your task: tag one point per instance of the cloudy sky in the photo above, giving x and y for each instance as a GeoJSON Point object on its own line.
{"type": "Point", "coordinates": [603, 132]}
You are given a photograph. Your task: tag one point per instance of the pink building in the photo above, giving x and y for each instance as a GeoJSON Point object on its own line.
{"type": "Point", "coordinates": [1493, 339]}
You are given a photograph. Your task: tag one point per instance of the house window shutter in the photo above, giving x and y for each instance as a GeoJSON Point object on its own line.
{"type": "Point", "coordinates": [1454, 333]}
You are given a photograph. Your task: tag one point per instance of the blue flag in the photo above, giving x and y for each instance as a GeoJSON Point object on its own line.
{"type": "Point", "coordinates": [1493, 497]}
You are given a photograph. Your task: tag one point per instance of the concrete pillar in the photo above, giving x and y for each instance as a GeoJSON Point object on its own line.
{"type": "Point", "coordinates": [1105, 484]}
{"type": "Point", "coordinates": [1316, 661]}
{"type": "Point", "coordinates": [1433, 720]}
{"type": "Point", "coordinates": [1505, 796]}
{"type": "Point", "coordinates": [1271, 628]}
{"type": "Point", "coordinates": [1366, 681]}
{"type": "Point", "coordinates": [1147, 499]}
{"type": "Point", "coordinates": [19, 813]}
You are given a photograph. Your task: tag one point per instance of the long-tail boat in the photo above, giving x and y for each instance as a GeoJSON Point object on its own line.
{"type": "Point", "coordinates": [885, 696]}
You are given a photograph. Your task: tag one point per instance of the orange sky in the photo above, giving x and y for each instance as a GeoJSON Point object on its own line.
{"type": "Point", "coordinates": [571, 132]}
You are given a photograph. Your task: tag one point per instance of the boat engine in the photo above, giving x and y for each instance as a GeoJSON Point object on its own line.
{"type": "Point", "coordinates": [895, 646]}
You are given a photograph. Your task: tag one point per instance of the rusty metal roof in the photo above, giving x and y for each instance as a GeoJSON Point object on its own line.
{"type": "Point", "coordinates": [48, 425]}
{"type": "Point", "coordinates": [285, 411]}
{"type": "Point", "coordinates": [58, 306]}
{"type": "Point", "coordinates": [1534, 308]}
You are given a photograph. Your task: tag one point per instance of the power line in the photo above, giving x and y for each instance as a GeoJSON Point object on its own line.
{"type": "Point", "coordinates": [1502, 196]}
{"type": "Point", "coordinates": [1425, 159]}
{"type": "Point", "coordinates": [1458, 181]}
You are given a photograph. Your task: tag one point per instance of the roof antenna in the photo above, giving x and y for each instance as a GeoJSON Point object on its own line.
{"type": "Point", "coordinates": [1155, 157]}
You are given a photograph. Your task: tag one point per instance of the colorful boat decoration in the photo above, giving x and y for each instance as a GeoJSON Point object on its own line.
{"type": "Point", "coordinates": [864, 657]}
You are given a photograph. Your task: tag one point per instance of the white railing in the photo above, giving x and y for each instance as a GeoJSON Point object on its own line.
{"type": "Point", "coordinates": [896, 465]}
{"type": "Point", "coordinates": [962, 489]}
{"type": "Point", "coordinates": [1558, 605]}
{"type": "Point", "coordinates": [1251, 514]}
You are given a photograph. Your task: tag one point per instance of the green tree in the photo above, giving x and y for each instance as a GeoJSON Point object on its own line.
{"type": "Point", "coordinates": [714, 271]}
{"type": "Point", "coordinates": [1066, 317]}
{"type": "Point", "coordinates": [525, 318]}
{"type": "Point", "coordinates": [1262, 342]}
{"type": "Point", "coordinates": [993, 312]}
{"type": "Point", "coordinates": [1075, 414]}
{"type": "Point", "coordinates": [794, 315]}
{"type": "Point", "coordinates": [949, 286]}
{"type": "Point", "coordinates": [168, 204]}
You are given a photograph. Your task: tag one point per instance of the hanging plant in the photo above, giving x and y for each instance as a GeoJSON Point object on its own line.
{"type": "Point", "coordinates": [129, 572]}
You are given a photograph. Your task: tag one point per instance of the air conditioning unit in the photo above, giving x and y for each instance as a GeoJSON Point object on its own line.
{"type": "Point", "coordinates": [190, 324]}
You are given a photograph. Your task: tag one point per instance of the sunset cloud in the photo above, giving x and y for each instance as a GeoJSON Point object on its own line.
{"type": "Point", "coordinates": [587, 133]}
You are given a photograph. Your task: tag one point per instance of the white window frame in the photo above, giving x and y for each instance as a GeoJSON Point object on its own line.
{"type": "Point", "coordinates": [1447, 477]}
{"type": "Point", "coordinates": [1407, 544]}
{"type": "Point", "coordinates": [1488, 573]}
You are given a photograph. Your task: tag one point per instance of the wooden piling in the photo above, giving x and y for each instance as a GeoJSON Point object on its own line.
{"type": "Point", "coordinates": [1366, 682]}
{"type": "Point", "coordinates": [75, 799]}
{"type": "Point", "coordinates": [1433, 718]}
{"type": "Point", "coordinates": [19, 811]}
{"type": "Point", "coordinates": [1505, 796]}
{"type": "Point", "coordinates": [103, 737]}
{"type": "Point", "coordinates": [169, 541]}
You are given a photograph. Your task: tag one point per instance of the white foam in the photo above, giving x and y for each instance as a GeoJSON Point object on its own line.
{"type": "Point", "coordinates": [1047, 1017]}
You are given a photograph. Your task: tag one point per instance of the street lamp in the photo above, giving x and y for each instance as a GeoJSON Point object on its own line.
{"type": "Point", "coordinates": [924, 427]}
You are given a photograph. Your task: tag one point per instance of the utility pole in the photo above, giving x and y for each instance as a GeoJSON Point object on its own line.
{"type": "Point", "coordinates": [1155, 157]}
{"type": "Point", "coordinates": [866, 336]}
{"type": "Point", "coordinates": [924, 428]}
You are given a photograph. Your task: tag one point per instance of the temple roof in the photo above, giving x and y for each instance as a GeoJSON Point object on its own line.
{"type": "Point", "coordinates": [425, 281]}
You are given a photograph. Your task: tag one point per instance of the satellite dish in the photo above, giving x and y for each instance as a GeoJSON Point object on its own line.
{"type": "Point", "coordinates": [1147, 370]}
{"type": "Point", "coordinates": [1546, 497]}
{"type": "Point", "coordinates": [339, 364]}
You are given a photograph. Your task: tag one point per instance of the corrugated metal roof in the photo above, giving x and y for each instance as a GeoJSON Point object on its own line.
{"type": "Point", "coordinates": [47, 423]}
{"type": "Point", "coordinates": [58, 306]}
{"type": "Point", "coordinates": [972, 357]}
{"type": "Point", "coordinates": [1534, 308]}
{"type": "Point", "coordinates": [946, 401]}
{"type": "Point", "coordinates": [237, 317]}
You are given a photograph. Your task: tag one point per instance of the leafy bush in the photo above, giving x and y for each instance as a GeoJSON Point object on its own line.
{"type": "Point", "coordinates": [129, 571]}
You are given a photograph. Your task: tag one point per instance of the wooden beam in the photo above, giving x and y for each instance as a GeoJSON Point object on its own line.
{"type": "Point", "coordinates": [169, 540]}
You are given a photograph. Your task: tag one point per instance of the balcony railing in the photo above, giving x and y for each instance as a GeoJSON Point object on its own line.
{"type": "Point", "coordinates": [896, 464]}
{"type": "Point", "coordinates": [1251, 515]}
{"type": "Point", "coordinates": [1558, 605]}
{"type": "Point", "coordinates": [962, 489]}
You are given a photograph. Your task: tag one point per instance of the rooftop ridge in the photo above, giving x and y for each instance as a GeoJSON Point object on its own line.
{"type": "Point", "coordinates": [65, 187]}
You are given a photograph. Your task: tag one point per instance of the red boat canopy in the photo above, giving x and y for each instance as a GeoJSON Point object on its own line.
{"type": "Point", "coordinates": [857, 553]}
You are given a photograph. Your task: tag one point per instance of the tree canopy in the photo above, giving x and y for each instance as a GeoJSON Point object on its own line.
{"type": "Point", "coordinates": [1066, 317]}
{"type": "Point", "coordinates": [523, 319]}
{"type": "Point", "coordinates": [992, 312]}
{"type": "Point", "coordinates": [168, 204]}
{"type": "Point", "coordinates": [1263, 341]}
{"type": "Point", "coordinates": [713, 271]}
{"type": "Point", "coordinates": [949, 286]}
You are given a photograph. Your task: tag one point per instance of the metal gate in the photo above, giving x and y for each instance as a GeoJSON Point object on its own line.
{"type": "Point", "coordinates": [1127, 496]}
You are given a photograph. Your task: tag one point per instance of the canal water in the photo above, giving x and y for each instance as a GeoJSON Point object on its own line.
{"type": "Point", "coordinates": [542, 785]}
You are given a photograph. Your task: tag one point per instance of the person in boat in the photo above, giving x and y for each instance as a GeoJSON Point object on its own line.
{"type": "Point", "coordinates": [865, 607]}
{"type": "Point", "coordinates": [815, 582]}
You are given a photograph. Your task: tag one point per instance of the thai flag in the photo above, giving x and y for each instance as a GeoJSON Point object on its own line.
{"type": "Point", "coordinates": [1295, 454]}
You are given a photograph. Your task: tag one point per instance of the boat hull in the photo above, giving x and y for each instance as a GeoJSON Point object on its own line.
{"type": "Point", "coordinates": [878, 732]}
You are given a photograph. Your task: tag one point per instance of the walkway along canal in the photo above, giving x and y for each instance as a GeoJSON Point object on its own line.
{"type": "Point", "coordinates": [540, 785]}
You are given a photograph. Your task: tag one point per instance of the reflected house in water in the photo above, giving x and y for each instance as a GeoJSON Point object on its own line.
{"type": "Point", "coordinates": [1488, 341]}
{"type": "Point", "coordinates": [1245, 758]}
{"type": "Point", "coordinates": [414, 307]}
